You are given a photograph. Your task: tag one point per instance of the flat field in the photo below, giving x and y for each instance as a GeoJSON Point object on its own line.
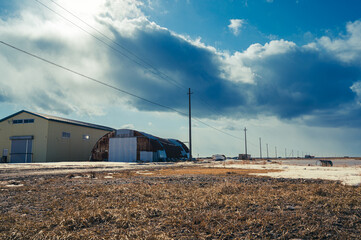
{"type": "Point", "coordinates": [179, 202]}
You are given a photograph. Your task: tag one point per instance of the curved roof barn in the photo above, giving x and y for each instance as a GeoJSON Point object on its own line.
{"type": "Point", "coordinates": [125, 145]}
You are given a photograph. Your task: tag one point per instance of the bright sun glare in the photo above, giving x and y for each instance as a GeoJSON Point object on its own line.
{"type": "Point", "coordinates": [82, 8]}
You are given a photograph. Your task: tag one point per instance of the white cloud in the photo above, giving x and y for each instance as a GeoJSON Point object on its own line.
{"type": "Point", "coordinates": [347, 47]}
{"type": "Point", "coordinates": [356, 88]}
{"type": "Point", "coordinates": [274, 47]}
{"type": "Point", "coordinates": [235, 67]}
{"type": "Point", "coordinates": [235, 70]}
{"type": "Point", "coordinates": [124, 9]}
{"type": "Point", "coordinates": [276, 78]}
{"type": "Point", "coordinates": [48, 88]}
{"type": "Point", "coordinates": [127, 126]}
{"type": "Point", "coordinates": [236, 25]}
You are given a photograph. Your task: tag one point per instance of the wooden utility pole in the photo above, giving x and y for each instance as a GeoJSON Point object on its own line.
{"type": "Point", "coordinates": [190, 126]}
{"type": "Point", "coordinates": [245, 140]}
{"type": "Point", "coordinates": [260, 148]}
{"type": "Point", "coordinates": [276, 151]}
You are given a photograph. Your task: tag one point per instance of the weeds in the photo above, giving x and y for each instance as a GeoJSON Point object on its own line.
{"type": "Point", "coordinates": [179, 204]}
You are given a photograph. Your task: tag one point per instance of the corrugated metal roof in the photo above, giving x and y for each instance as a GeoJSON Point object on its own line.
{"type": "Point", "coordinates": [62, 120]}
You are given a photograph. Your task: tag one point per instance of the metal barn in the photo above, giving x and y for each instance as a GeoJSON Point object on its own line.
{"type": "Point", "coordinates": [126, 145]}
{"type": "Point", "coordinates": [27, 137]}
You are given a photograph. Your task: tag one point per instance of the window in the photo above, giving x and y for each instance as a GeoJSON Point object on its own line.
{"type": "Point", "coordinates": [28, 120]}
{"type": "Point", "coordinates": [18, 121]}
{"type": "Point", "coordinates": [65, 135]}
{"type": "Point", "coordinates": [86, 137]}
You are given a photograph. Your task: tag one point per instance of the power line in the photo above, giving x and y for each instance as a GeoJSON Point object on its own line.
{"type": "Point", "coordinates": [157, 72]}
{"type": "Point", "coordinates": [216, 129]}
{"type": "Point", "coordinates": [93, 79]}
{"type": "Point", "coordinates": [113, 87]}
{"type": "Point", "coordinates": [139, 60]}
{"type": "Point", "coordinates": [119, 45]}
{"type": "Point", "coordinates": [211, 108]}
{"type": "Point", "coordinates": [142, 62]}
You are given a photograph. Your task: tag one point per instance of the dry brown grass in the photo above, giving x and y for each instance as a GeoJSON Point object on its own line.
{"type": "Point", "coordinates": [203, 171]}
{"type": "Point", "coordinates": [188, 204]}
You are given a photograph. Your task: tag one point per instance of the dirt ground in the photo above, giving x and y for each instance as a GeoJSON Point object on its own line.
{"type": "Point", "coordinates": [348, 171]}
{"type": "Point", "coordinates": [172, 201]}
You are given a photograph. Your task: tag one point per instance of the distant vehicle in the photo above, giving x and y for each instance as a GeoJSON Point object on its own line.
{"type": "Point", "coordinates": [309, 156]}
{"type": "Point", "coordinates": [218, 157]}
{"type": "Point", "coordinates": [244, 157]}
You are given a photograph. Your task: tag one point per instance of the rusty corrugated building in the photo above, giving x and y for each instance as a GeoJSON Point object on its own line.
{"type": "Point", "coordinates": [126, 145]}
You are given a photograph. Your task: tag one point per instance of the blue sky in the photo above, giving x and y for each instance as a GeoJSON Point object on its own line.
{"type": "Point", "coordinates": [289, 71]}
{"type": "Point", "coordinates": [298, 21]}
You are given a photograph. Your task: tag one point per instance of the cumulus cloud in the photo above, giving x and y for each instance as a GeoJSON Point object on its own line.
{"type": "Point", "coordinates": [292, 82]}
{"type": "Point", "coordinates": [301, 82]}
{"type": "Point", "coordinates": [48, 88]}
{"type": "Point", "coordinates": [347, 47]}
{"type": "Point", "coordinates": [278, 78]}
{"type": "Point", "coordinates": [316, 84]}
{"type": "Point", "coordinates": [236, 25]}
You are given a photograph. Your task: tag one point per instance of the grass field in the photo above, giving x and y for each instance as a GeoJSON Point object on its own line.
{"type": "Point", "coordinates": [177, 203]}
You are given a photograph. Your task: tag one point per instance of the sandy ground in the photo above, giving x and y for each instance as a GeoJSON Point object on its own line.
{"type": "Point", "coordinates": [348, 172]}
{"type": "Point", "coordinates": [30, 169]}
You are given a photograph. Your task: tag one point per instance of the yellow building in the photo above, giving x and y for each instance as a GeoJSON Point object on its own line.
{"type": "Point", "coordinates": [32, 137]}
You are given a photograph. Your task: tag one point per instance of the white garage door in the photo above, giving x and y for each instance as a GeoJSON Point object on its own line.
{"type": "Point", "coordinates": [123, 149]}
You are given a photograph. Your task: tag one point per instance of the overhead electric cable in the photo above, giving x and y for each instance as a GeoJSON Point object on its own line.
{"type": "Point", "coordinates": [141, 62]}
{"type": "Point", "coordinates": [155, 71]}
{"type": "Point", "coordinates": [111, 86]}
{"type": "Point", "coordinates": [92, 79]}
{"type": "Point", "coordinates": [211, 108]}
{"type": "Point", "coordinates": [217, 129]}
